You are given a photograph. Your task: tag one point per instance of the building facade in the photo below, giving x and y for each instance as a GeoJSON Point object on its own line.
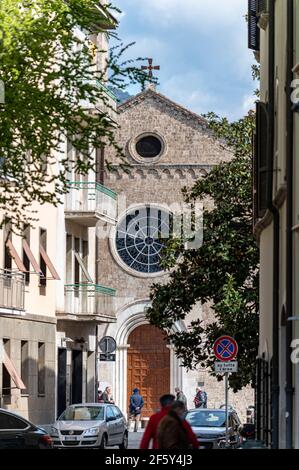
{"type": "Point", "coordinates": [51, 302]}
{"type": "Point", "coordinates": [167, 148]}
{"type": "Point", "coordinates": [274, 36]}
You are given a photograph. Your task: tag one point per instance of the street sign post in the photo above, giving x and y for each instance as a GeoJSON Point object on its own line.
{"type": "Point", "coordinates": [226, 367]}
{"type": "Point", "coordinates": [226, 350]}
{"type": "Point", "coordinates": [107, 357]}
{"type": "Point", "coordinates": [107, 345]}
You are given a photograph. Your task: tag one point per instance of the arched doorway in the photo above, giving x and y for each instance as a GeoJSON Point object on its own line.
{"type": "Point", "coordinates": [148, 366]}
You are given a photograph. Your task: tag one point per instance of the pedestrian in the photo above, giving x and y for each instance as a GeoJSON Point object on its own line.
{"type": "Point", "coordinates": [180, 396]}
{"type": "Point", "coordinates": [100, 396]}
{"type": "Point", "coordinates": [135, 408]}
{"type": "Point", "coordinates": [150, 434]}
{"type": "Point", "coordinates": [201, 399]}
{"type": "Point", "coordinates": [107, 396]}
{"type": "Point", "coordinates": [174, 432]}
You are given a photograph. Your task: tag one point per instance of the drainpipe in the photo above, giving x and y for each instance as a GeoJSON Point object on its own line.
{"type": "Point", "coordinates": [289, 233]}
{"type": "Point", "coordinates": [276, 226]}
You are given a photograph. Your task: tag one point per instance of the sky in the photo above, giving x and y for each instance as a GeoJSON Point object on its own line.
{"type": "Point", "coordinates": [201, 47]}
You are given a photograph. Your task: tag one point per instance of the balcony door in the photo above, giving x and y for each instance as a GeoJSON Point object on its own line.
{"type": "Point", "coordinates": [61, 381]}
{"type": "Point", "coordinates": [77, 376]}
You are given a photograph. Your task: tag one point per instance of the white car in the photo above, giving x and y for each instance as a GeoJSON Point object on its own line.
{"type": "Point", "coordinates": [90, 425]}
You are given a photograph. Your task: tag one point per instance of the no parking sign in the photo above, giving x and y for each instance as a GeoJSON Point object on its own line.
{"type": "Point", "coordinates": [225, 349]}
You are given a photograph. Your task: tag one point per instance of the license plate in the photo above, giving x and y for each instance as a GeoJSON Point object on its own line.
{"type": "Point", "coordinates": [71, 438]}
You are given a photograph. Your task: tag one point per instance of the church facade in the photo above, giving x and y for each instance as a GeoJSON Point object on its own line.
{"type": "Point", "coordinates": [167, 148]}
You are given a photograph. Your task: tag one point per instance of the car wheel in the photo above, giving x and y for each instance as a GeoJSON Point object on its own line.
{"type": "Point", "coordinates": [103, 442]}
{"type": "Point", "coordinates": [124, 444]}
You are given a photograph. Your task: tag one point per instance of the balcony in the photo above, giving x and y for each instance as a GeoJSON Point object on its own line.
{"type": "Point", "coordinates": [89, 302]}
{"type": "Point", "coordinates": [88, 203]}
{"type": "Point", "coordinates": [107, 104]}
{"type": "Point", "coordinates": [110, 101]}
{"type": "Point", "coordinates": [12, 291]}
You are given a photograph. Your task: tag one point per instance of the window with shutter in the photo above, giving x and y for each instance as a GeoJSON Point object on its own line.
{"type": "Point", "coordinates": [253, 28]}
{"type": "Point", "coordinates": [261, 160]}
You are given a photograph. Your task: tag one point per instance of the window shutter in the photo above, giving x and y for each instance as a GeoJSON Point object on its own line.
{"type": "Point", "coordinates": [261, 160]}
{"type": "Point", "coordinates": [253, 28]}
{"type": "Point", "coordinates": [254, 178]}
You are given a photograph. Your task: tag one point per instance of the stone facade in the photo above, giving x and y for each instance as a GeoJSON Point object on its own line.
{"type": "Point", "coordinates": [189, 152]}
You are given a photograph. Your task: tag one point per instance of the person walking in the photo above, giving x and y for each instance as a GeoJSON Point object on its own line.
{"type": "Point", "coordinates": [135, 408]}
{"type": "Point", "coordinates": [174, 432]}
{"type": "Point", "coordinates": [180, 396]}
{"type": "Point", "coordinates": [150, 435]}
{"type": "Point", "coordinates": [107, 396]}
{"type": "Point", "coordinates": [201, 399]}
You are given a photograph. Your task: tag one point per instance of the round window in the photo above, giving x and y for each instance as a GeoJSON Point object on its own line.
{"type": "Point", "coordinates": [140, 238]}
{"type": "Point", "coordinates": [149, 146]}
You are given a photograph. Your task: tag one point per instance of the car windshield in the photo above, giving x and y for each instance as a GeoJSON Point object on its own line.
{"type": "Point", "coordinates": [209, 419]}
{"type": "Point", "coordinates": [83, 413]}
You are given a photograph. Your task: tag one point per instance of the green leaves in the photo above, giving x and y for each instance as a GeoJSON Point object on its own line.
{"type": "Point", "coordinates": [224, 271]}
{"type": "Point", "coordinates": [53, 93]}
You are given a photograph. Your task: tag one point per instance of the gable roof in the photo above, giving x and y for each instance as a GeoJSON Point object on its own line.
{"type": "Point", "coordinates": [152, 93]}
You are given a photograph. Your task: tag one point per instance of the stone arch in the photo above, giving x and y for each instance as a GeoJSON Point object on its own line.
{"type": "Point", "coordinates": [140, 174]}
{"type": "Point", "coordinates": [179, 174]}
{"type": "Point", "coordinates": [154, 174]}
{"type": "Point", "coordinates": [166, 174]}
{"type": "Point", "coordinates": [129, 318]}
{"type": "Point", "coordinates": [192, 174]}
{"type": "Point", "coordinates": [204, 173]}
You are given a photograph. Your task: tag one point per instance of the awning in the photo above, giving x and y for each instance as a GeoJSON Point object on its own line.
{"type": "Point", "coordinates": [13, 371]}
{"type": "Point", "coordinates": [15, 256]}
{"type": "Point", "coordinates": [31, 258]}
{"type": "Point", "coordinates": [83, 267]}
{"type": "Point", "coordinates": [49, 264]}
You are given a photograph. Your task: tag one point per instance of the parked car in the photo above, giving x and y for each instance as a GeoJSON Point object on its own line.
{"type": "Point", "coordinates": [209, 427]}
{"type": "Point", "coordinates": [90, 425]}
{"type": "Point", "coordinates": [18, 433]}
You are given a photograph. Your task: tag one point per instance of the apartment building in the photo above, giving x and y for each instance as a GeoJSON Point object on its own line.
{"type": "Point", "coordinates": [274, 38]}
{"type": "Point", "coordinates": [50, 300]}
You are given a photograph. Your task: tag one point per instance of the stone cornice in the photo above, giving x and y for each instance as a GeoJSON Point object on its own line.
{"type": "Point", "coordinates": [162, 171]}
{"type": "Point", "coordinates": [150, 93]}
{"type": "Point", "coordinates": [30, 317]}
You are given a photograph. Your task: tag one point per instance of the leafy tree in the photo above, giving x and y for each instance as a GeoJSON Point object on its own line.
{"type": "Point", "coordinates": [48, 71]}
{"type": "Point", "coordinates": [224, 271]}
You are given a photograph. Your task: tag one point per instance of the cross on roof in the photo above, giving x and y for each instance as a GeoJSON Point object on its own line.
{"type": "Point", "coordinates": [150, 67]}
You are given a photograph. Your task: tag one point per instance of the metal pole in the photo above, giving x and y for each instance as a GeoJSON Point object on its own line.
{"type": "Point", "coordinates": [226, 411]}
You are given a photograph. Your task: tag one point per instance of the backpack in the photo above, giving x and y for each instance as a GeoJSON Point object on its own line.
{"type": "Point", "coordinates": [203, 397]}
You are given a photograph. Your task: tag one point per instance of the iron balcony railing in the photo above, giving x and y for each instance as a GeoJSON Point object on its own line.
{"type": "Point", "coordinates": [12, 289]}
{"type": "Point", "coordinates": [86, 299]}
{"type": "Point", "coordinates": [91, 198]}
{"type": "Point", "coordinates": [108, 101]}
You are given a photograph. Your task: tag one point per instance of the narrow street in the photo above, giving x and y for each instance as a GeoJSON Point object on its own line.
{"type": "Point", "coordinates": [135, 439]}
{"type": "Point", "coordinates": [149, 228]}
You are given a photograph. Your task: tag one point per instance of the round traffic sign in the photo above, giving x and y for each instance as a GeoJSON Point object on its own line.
{"type": "Point", "coordinates": [225, 349]}
{"type": "Point", "coordinates": [107, 345]}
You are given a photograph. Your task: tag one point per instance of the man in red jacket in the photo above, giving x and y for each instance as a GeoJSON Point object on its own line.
{"type": "Point", "coordinates": [150, 433]}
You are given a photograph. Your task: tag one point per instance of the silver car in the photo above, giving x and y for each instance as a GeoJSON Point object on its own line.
{"type": "Point", "coordinates": [209, 427]}
{"type": "Point", "coordinates": [90, 425]}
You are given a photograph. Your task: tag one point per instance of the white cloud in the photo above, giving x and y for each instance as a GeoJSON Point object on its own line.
{"type": "Point", "coordinates": [201, 47]}
{"type": "Point", "coordinates": [205, 14]}
{"type": "Point", "coordinates": [248, 103]}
